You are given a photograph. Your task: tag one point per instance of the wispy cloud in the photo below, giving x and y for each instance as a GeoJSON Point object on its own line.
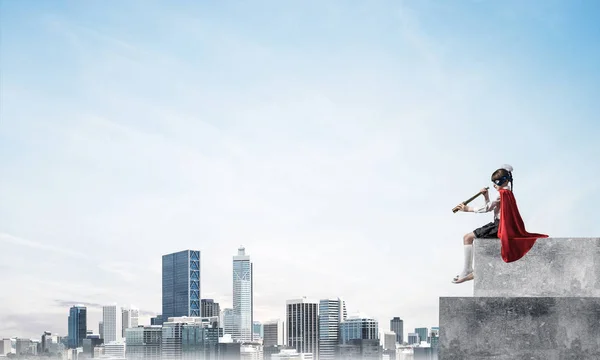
{"type": "Point", "coordinates": [57, 249]}
{"type": "Point", "coordinates": [68, 303]}
{"type": "Point", "coordinates": [97, 306]}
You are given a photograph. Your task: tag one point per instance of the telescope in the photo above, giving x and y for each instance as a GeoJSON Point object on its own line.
{"type": "Point", "coordinates": [468, 200]}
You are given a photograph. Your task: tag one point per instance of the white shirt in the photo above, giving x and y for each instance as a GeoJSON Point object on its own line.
{"type": "Point", "coordinates": [492, 205]}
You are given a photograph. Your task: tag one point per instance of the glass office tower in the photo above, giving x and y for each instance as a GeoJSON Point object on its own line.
{"type": "Point", "coordinates": [243, 307]}
{"type": "Point", "coordinates": [181, 284]}
{"type": "Point", "coordinates": [77, 326]}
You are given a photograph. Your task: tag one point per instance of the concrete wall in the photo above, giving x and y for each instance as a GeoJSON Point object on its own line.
{"type": "Point", "coordinates": [543, 328]}
{"type": "Point", "coordinates": [553, 267]}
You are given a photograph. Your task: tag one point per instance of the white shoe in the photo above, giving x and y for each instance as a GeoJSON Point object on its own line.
{"type": "Point", "coordinates": [458, 279]}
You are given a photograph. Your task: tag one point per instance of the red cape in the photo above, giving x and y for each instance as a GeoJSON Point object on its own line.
{"type": "Point", "coordinates": [515, 240]}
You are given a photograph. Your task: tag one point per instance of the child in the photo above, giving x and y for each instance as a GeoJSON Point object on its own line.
{"type": "Point", "coordinates": [507, 225]}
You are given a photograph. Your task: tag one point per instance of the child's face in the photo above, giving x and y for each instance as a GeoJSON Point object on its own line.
{"type": "Point", "coordinates": [498, 187]}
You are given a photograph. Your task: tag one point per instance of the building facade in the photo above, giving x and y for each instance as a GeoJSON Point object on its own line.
{"type": "Point", "coordinates": [257, 329]}
{"type": "Point", "coordinates": [143, 343]}
{"type": "Point", "coordinates": [243, 297]}
{"type": "Point", "coordinates": [359, 326]}
{"type": "Point", "coordinates": [157, 320]}
{"type": "Point", "coordinates": [5, 347]}
{"type": "Point", "coordinates": [190, 338]}
{"type": "Point", "coordinates": [273, 333]}
{"type": "Point", "coordinates": [77, 326]}
{"type": "Point", "coordinates": [110, 324]}
{"type": "Point", "coordinates": [331, 313]}
{"type": "Point", "coordinates": [129, 319]}
{"type": "Point", "coordinates": [210, 308]}
{"type": "Point", "coordinates": [397, 326]}
{"type": "Point", "coordinates": [181, 284]}
{"type": "Point", "coordinates": [423, 334]}
{"type": "Point", "coordinates": [389, 340]}
{"type": "Point", "coordinates": [228, 321]}
{"type": "Point", "coordinates": [413, 338]}
{"type": "Point", "coordinates": [302, 320]}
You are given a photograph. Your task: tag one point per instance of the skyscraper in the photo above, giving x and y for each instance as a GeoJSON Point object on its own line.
{"type": "Point", "coordinates": [331, 313]}
{"type": "Point", "coordinates": [143, 343]}
{"type": "Point", "coordinates": [360, 335]}
{"type": "Point", "coordinates": [397, 326]}
{"type": "Point", "coordinates": [359, 327]}
{"type": "Point", "coordinates": [181, 284]}
{"type": "Point", "coordinates": [257, 329]}
{"type": "Point", "coordinates": [302, 325]}
{"type": "Point", "coordinates": [228, 321]}
{"type": "Point", "coordinates": [423, 333]}
{"type": "Point", "coordinates": [77, 326]}
{"type": "Point", "coordinates": [110, 324]}
{"type": "Point", "coordinates": [47, 339]}
{"type": "Point", "coordinates": [273, 333]}
{"type": "Point", "coordinates": [210, 308]}
{"type": "Point", "coordinates": [190, 338]}
{"type": "Point", "coordinates": [129, 319]}
{"type": "Point", "coordinates": [389, 340]}
{"type": "Point", "coordinates": [242, 296]}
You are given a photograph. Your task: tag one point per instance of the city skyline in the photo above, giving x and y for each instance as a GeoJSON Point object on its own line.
{"type": "Point", "coordinates": [327, 138]}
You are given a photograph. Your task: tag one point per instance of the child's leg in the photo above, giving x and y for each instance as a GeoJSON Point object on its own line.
{"type": "Point", "coordinates": [468, 249]}
{"type": "Point", "coordinates": [486, 231]}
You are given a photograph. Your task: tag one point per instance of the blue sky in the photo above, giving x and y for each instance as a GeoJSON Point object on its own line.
{"type": "Point", "coordinates": [331, 139]}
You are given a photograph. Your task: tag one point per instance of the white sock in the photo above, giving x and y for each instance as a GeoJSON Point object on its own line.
{"type": "Point", "coordinates": [468, 267]}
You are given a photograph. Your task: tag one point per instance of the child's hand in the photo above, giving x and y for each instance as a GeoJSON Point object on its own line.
{"type": "Point", "coordinates": [484, 191]}
{"type": "Point", "coordinates": [462, 207]}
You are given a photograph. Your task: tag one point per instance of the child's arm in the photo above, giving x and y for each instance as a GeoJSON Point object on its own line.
{"type": "Point", "coordinates": [489, 206]}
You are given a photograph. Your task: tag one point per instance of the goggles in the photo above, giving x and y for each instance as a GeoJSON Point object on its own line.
{"type": "Point", "coordinates": [501, 181]}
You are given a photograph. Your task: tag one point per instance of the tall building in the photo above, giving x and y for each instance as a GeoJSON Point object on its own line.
{"type": "Point", "coordinates": [389, 340]}
{"type": "Point", "coordinates": [115, 349]}
{"type": "Point", "coordinates": [5, 347]}
{"type": "Point", "coordinates": [273, 333]}
{"type": "Point", "coordinates": [190, 338]}
{"type": "Point", "coordinates": [434, 336]}
{"type": "Point", "coordinates": [77, 326]}
{"type": "Point", "coordinates": [397, 326]}
{"type": "Point", "coordinates": [101, 329]}
{"type": "Point", "coordinates": [22, 346]}
{"type": "Point", "coordinates": [143, 342]}
{"type": "Point", "coordinates": [413, 338]}
{"type": "Point", "coordinates": [331, 313]}
{"type": "Point", "coordinates": [228, 321]}
{"type": "Point", "coordinates": [110, 324]}
{"type": "Point", "coordinates": [359, 327]}
{"type": "Point", "coordinates": [257, 329]}
{"type": "Point", "coordinates": [157, 320]}
{"type": "Point", "coordinates": [90, 343]}
{"type": "Point", "coordinates": [423, 334]}
{"type": "Point", "coordinates": [210, 308]}
{"type": "Point", "coordinates": [46, 340]}
{"type": "Point", "coordinates": [242, 296]}
{"type": "Point", "coordinates": [181, 284]}
{"type": "Point", "coordinates": [129, 319]}
{"type": "Point", "coordinates": [302, 318]}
